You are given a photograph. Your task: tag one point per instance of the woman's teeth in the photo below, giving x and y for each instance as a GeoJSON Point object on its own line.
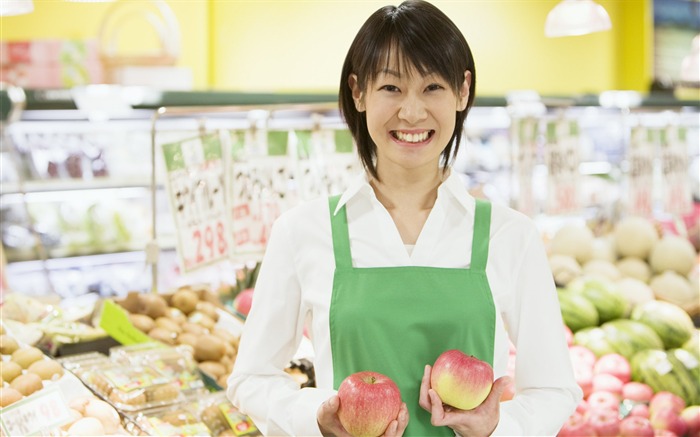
{"type": "Point", "coordinates": [411, 138]}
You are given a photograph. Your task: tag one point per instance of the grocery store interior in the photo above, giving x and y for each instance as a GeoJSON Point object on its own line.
{"type": "Point", "coordinates": [148, 146]}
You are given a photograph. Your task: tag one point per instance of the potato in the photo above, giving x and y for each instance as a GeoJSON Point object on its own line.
{"type": "Point", "coordinates": [212, 368]}
{"type": "Point", "coordinates": [209, 348]}
{"type": "Point", "coordinates": [153, 305]}
{"type": "Point", "coordinates": [187, 338]}
{"type": "Point", "coordinates": [142, 322]}
{"type": "Point", "coordinates": [194, 328]}
{"type": "Point", "coordinates": [46, 369]}
{"type": "Point", "coordinates": [163, 335]}
{"type": "Point", "coordinates": [9, 370]}
{"type": "Point", "coordinates": [169, 324]}
{"type": "Point", "coordinates": [9, 396]}
{"type": "Point", "coordinates": [185, 300]}
{"type": "Point", "coordinates": [202, 319]}
{"type": "Point", "coordinates": [26, 356]}
{"type": "Point", "coordinates": [27, 383]}
{"type": "Point", "coordinates": [8, 344]}
{"type": "Point", "coordinates": [209, 309]}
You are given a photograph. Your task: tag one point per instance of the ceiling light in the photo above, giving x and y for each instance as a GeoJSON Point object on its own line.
{"type": "Point", "coordinates": [576, 17]}
{"type": "Point", "coordinates": [15, 7]}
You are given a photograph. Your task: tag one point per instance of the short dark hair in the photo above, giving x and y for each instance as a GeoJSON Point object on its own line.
{"type": "Point", "coordinates": [421, 36]}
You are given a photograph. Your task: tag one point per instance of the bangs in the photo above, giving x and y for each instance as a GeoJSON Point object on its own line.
{"type": "Point", "coordinates": [402, 46]}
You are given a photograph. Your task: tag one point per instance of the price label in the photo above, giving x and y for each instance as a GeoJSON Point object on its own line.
{"type": "Point", "coordinates": [115, 321]}
{"type": "Point", "coordinates": [562, 159]}
{"type": "Point", "coordinates": [674, 169]}
{"type": "Point", "coordinates": [524, 132]}
{"type": "Point", "coordinates": [641, 172]}
{"type": "Point", "coordinates": [196, 188]}
{"type": "Point", "coordinates": [260, 189]}
{"type": "Point", "coordinates": [36, 414]}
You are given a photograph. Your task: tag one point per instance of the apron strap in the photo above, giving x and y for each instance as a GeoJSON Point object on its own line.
{"type": "Point", "coordinates": [341, 236]}
{"type": "Point", "coordinates": [480, 239]}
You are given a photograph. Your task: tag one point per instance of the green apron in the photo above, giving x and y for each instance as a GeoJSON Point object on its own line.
{"type": "Point", "coordinates": [395, 320]}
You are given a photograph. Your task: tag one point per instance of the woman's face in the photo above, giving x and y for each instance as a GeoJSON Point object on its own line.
{"type": "Point", "coordinates": [410, 117]}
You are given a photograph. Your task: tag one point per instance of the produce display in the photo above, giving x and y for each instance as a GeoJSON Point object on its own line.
{"type": "Point", "coordinates": [188, 316]}
{"type": "Point", "coordinates": [628, 299]}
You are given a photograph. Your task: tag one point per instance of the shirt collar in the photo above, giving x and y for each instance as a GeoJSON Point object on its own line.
{"type": "Point", "coordinates": [452, 186]}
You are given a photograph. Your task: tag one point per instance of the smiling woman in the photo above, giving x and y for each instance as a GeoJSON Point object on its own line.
{"type": "Point", "coordinates": [405, 264]}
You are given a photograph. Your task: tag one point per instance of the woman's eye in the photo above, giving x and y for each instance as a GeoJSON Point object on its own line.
{"type": "Point", "coordinates": [390, 88]}
{"type": "Point", "coordinates": [434, 87]}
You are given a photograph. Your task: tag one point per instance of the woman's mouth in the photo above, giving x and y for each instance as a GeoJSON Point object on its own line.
{"type": "Point", "coordinates": [412, 137]}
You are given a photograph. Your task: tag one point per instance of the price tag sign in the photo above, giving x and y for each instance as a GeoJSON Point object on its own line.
{"type": "Point", "coordinates": [524, 131]}
{"type": "Point", "coordinates": [562, 159]}
{"type": "Point", "coordinates": [37, 414]}
{"type": "Point", "coordinates": [196, 189]}
{"type": "Point", "coordinates": [258, 194]}
{"type": "Point", "coordinates": [641, 171]}
{"type": "Point", "coordinates": [674, 169]}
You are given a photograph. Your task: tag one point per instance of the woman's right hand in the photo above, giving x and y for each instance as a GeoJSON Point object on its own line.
{"type": "Point", "coordinates": [329, 423]}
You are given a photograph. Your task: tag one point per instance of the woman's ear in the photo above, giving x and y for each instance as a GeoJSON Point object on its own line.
{"type": "Point", "coordinates": [357, 95]}
{"type": "Point", "coordinates": [464, 91]}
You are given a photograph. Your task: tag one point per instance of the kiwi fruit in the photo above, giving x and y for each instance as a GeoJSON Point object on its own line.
{"type": "Point", "coordinates": [185, 300]}
{"type": "Point", "coordinates": [142, 322]}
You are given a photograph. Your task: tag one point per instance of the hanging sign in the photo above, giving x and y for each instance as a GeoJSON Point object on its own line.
{"type": "Point", "coordinates": [641, 171]}
{"type": "Point", "coordinates": [562, 159]}
{"type": "Point", "coordinates": [195, 184]}
{"type": "Point", "coordinates": [259, 188]}
{"type": "Point", "coordinates": [37, 414]}
{"type": "Point", "coordinates": [677, 197]}
{"type": "Point", "coordinates": [525, 142]}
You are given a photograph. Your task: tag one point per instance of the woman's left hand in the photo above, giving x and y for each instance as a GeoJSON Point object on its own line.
{"type": "Point", "coordinates": [480, 421]}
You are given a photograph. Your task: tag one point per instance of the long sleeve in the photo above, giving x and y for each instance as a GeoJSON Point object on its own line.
{"type": "Point", "coordinates": [546, 391]}
{"type": "Point", "coordinates": [258, 385]}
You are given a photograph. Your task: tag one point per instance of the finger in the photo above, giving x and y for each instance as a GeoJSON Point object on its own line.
{"type": "Point", "coordinates": [423, 398]}
{"type": "Point", "coordinates": [437, 412]}
{"type": "Point", "coordinates": [403, 418]}
{"type": "Point", "coordinates": [392, 429]}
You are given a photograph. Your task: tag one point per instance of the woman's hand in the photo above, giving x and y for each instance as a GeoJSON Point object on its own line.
{"type": "Point", "coordinates": [481, 421]}
{"type": "Point", "coordinates": [329, 423]}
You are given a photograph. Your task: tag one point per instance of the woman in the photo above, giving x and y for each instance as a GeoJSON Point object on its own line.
{"type": "Point", "coordinates": [405, 264]}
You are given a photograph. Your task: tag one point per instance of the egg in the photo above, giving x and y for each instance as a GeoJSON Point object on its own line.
{"type": "Point", "coordinates": [87, 426]}
{"type": "Point", "coordinates": [105, 413]}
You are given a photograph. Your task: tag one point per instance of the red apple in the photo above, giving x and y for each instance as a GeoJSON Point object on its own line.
{"type": "Point", "coordinates": [635, 426]}
{"type": "Point", "coordinates": [666, 399]}
{"type": "Point", "coordinates": [243, 301]}
{"type": "Point", "coordinates": [613, 364]}
{"type": "Point", "coordinates": [637, 391]}
{"type": "Point", "coordinates": [639, 410]}
{"type": "Point", "coordinates": [606, 423]}
{"type": "Point", "coordinates": [576, 426]}
{"type": "Point", "coordinates": [603, 400]}
{"type": "Point", "coordinates": [607, 382]}
{"type": "Point", "coordinates": [666, 418]}
{"type": "Point", "coordinates": [584, 379]}
{"type": "Point", "coordinates": [462, 381]}
{"type": "Point", "coordinates": [568, 335]}
{"type": "Point", "coordinates": [369, 401]}
{"type": "Point", "coordinates": [581, 356]}
{"type": "Point", "coordinates": [582, 407]}
{"type": "Point", "coordinates": [691, 417]}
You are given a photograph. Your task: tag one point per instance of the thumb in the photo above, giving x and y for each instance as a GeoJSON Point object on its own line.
{"type": "Point", "coordinates": [499, 387]}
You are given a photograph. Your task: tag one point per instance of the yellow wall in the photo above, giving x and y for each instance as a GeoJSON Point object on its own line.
{"type": "Point", "coordinates": [299, 45]}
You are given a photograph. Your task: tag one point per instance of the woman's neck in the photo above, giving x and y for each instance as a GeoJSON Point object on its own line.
{"type": "Point", "coordinates": [408, 191]}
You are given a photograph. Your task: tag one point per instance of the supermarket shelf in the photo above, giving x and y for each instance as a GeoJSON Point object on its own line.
{"type": "Point", "coordinates": [53, 185]}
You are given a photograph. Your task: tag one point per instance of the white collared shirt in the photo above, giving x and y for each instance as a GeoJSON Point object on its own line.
{"type": "Point", "coordinates": [295, 284]}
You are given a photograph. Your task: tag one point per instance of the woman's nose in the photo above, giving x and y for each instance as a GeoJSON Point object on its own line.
{"type": "Point", "coordinates": [412, 109]}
